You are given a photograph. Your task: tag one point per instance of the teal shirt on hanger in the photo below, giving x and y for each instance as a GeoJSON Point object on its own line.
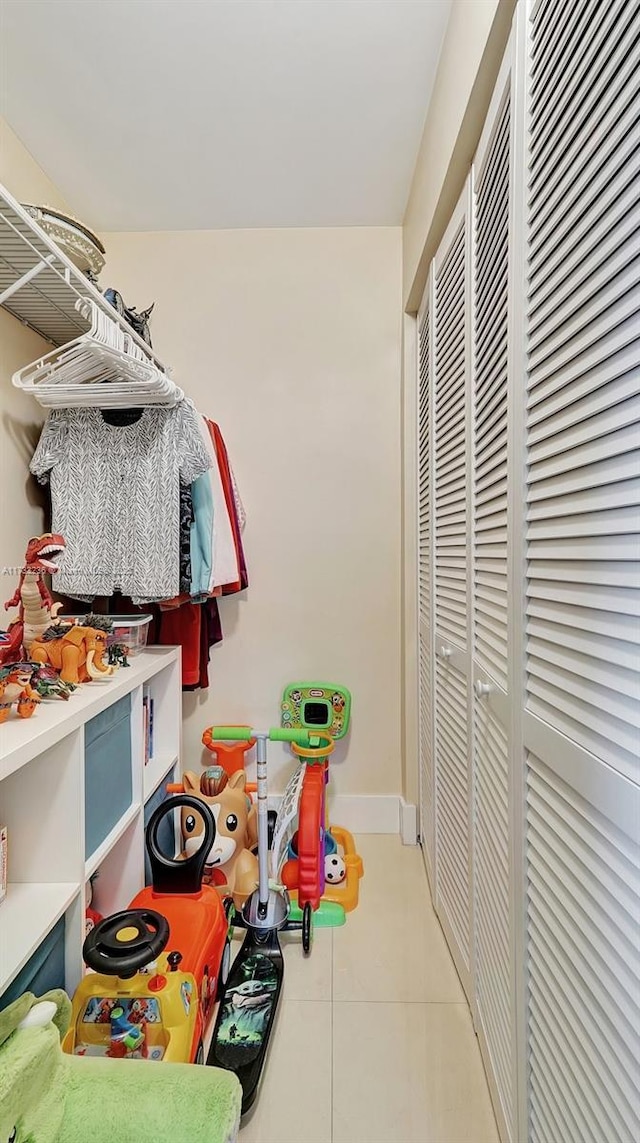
{"type": "Point", "coordinates": [201, 537]}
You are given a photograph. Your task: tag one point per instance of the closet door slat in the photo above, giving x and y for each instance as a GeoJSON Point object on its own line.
{"type": "Point", "coordinates": [425, 594]}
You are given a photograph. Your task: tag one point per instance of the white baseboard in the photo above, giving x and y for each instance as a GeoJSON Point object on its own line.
{"type": "Point", "coordinates": [408, 823]}
{"type": "Point", "coordinates": [366, 813]}
{"type": "Point", "coordinates": [370, 813]}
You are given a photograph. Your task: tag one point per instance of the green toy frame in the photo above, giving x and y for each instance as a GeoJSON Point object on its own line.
{"type": "Point", "coordinates": [297, 698]}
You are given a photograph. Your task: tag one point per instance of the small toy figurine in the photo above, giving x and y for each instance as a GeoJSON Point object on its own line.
{"type": "Point", "coordinates": [117, 655]}
{"type": "Point", "coordinates": [32, 595]}
{"type": "Point", "coordinates": [47, 682]}
{"type": "Point", "coordinates": [16, 689]}
{"type": "Point", "coordinates": [126, 1037]}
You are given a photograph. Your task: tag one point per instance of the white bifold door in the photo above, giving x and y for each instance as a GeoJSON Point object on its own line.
{"type": "Point", "coordinates": [529, 578]}
{"type": "Point", "coordinates": [444, 584]}
{"type": "Point", "coordinates": [463, 451]}
{"type": "Point", "coordinates": [582, 687]}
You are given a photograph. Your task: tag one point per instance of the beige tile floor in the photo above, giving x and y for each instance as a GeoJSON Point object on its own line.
{"type": "Point", "coordinates": [374, 1041]}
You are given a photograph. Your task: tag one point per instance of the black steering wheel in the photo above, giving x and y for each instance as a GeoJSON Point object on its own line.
{"type": "Point", "coordinates": [125, 942]}
{"type": "Point", "coordinates": [170, 874]}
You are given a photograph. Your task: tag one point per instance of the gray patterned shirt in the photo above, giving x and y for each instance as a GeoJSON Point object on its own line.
{"type": "Point", "coordinates": [115, 493]}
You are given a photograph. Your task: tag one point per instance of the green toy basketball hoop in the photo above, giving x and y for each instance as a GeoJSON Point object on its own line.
{"type": "Point", "coordinates": [317, 706]}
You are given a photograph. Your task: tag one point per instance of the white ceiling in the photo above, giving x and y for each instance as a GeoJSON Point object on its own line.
{"type": "Point", "coordinates": [189, 114]}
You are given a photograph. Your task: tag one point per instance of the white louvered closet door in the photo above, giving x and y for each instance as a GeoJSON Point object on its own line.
{"type": "Point", "coordinates": [425, 584]}
{"type": "Point", "coordinates": [582, 711]}
{"type": "Point", "coordinates": [493, 935]}
{"type": "Point", "coordinates": [451, 389]}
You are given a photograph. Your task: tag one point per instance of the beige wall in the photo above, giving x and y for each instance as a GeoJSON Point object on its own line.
{"type": "Point", "coordinates": [290, 339]}
{"type": "Point", "coordinates": [21, 175]}
{"type": "Point", "coordinates": [282, 326]}
{"type": "Point", "coordinates": [21, 514]}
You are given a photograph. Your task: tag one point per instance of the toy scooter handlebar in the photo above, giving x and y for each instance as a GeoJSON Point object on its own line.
{"type": "Point", "coordinates": [300, 737]}
{"type": "Point", "coordinates": [231, 733]}
{"type": "Point", "coordinates": [276, 734]}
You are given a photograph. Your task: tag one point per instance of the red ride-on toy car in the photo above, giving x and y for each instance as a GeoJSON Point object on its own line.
{"type": "Point", "coordinates": [159, 965]}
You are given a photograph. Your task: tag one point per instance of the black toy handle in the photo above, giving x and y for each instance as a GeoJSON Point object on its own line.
{"type": "Point", "coordinates": [170, 874]}
{"type": "Point", "coordinates": [107, 951]}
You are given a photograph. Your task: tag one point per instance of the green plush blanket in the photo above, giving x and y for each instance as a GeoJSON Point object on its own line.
{"type": "Point", "coordinates": [49, 1097]}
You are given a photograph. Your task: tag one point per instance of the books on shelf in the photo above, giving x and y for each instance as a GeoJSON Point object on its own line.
{"type": "Point", "coordinates": [147, 723]}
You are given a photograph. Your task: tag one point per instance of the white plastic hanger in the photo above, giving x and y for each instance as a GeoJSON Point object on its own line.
{"type": "Point", "coordinates": [104, 368]}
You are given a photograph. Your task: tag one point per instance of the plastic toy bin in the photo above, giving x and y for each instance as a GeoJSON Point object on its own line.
{"type": "Point", "coordinates": [107, 771]}
{"type": "Point", "coordinates": [131, 630]}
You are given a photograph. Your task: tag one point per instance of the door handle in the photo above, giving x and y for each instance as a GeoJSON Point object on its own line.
{"type": "Point", "coordinates": [445, 652]}
{"type": "Point", "coordinates": [482, 689]}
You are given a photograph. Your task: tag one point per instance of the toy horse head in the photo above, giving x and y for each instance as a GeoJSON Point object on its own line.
{"type": "Point", "coordinates": [233, 812]}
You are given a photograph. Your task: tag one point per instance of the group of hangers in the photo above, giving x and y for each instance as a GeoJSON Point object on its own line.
{"type": "Point", "coordinates": [103, 368]}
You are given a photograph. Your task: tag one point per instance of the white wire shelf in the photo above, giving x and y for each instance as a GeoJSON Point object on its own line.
{"type": "Point", "coordinates": [40, 286]}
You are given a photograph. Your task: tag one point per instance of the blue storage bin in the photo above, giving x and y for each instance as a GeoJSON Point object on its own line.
{"type": "Point", "coordinates": [107, 771]}
{"type": "Point", "coordinates": [43, 970]}
{"type": "Point", "coordinates": [166, 835]}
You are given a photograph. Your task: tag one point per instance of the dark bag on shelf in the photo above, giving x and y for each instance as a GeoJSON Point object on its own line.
{"type": "Point", "coordinates": [139, 322]}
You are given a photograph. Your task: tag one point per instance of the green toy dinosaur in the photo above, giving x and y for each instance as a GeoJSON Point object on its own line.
{"type": "Point", "coordinates": [49, 1097]}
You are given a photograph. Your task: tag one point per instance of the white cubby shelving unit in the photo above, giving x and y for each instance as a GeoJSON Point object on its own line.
{"type": "Point", "coordinates": [42, 760]}
{"type": "Point", "coordinates": [42, 803]}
